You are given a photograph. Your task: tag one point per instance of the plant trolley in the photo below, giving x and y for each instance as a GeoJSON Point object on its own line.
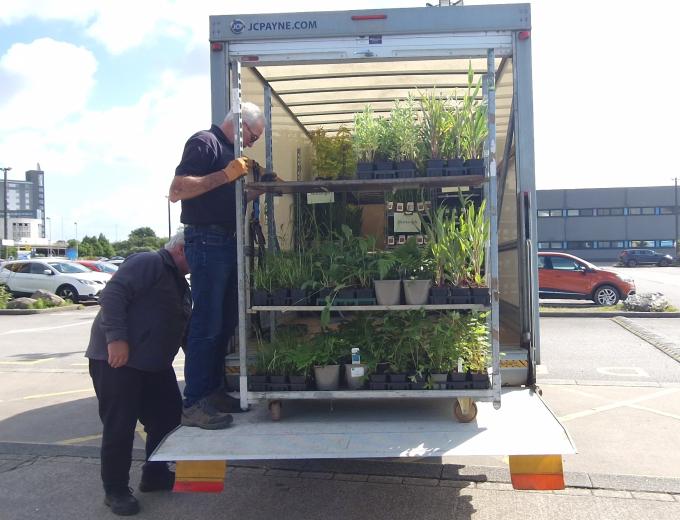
{"type": "Point", "coordinates": [464, 407]}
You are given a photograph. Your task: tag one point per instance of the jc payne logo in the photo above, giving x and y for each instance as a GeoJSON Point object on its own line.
{"type": "Point", "coordinates": [237, 26]}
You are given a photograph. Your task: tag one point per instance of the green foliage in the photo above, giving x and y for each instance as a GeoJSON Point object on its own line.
{"type": "Point", "coordinates": [333, 154]}
{"type": "Point", "coordinates": [444, 246]}
{"type": "Point", "coordinates": [328, 348]}
{"type": "Point", "coordinates": [386, 140]}
{"type": "Point", "coordinates": [139, 240]}
{"type": "Point", "coordinates": [325, 221]}
{"type": "Point", "coordinates": [473, 236]}
{"type": "Point", "coordinates": [404, 131]}
{"type": "Point", "coordinates": [473, 119]}
{"type": "Point", "coordinates": [412, 261]}
{"type": "Point", "coordinates": [436, 123]}
{"type": "Point", "coordinates": [366, 135]}
{"type": "Point", "coordinates": [5, 296]}
{"type": "Point", "coordinates": [473, 341]}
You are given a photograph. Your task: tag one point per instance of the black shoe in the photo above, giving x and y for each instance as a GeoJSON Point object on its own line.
{"type": "Point", "coordinates": [157, 481]}
{"type": "Point", "coordinates": [122, 503]}
{"type": "Point", "coordinates": [224, 403]}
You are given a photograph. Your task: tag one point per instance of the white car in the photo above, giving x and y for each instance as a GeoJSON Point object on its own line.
{"type": "Point", "coordinates": [67, 279]}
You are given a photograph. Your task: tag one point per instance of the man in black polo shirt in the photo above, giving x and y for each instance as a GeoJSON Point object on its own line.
{"type": "Point", "coordinates": [204, 182]}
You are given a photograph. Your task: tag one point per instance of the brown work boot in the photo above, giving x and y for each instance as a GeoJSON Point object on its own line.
{"type": "Point", "coordinates": [224, 403]}
{"type": "Point", "coordinates": [203, 415]}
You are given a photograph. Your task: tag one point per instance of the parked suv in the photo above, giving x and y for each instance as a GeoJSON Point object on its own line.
{"type": "Point", "coordinates": [564, 276]}
{"type": "Point", "coordinates": [633, 257]}
{"type": "Point", "coordinates": [66, 279]}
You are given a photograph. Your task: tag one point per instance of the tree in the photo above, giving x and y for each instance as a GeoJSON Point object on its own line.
{"type": "Point", "coordinates": [105, 245]}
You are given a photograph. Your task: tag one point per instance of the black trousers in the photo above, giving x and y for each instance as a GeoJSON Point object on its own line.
{"type": "Point", "coordinates": [126, 395]}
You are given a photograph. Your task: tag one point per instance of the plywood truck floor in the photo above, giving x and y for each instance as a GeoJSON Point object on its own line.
{"type": "Point", "coordinates": [376, 428]}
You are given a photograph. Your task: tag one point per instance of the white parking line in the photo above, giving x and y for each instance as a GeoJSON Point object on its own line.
{"type": "Point", "coordinates": [41, 329]}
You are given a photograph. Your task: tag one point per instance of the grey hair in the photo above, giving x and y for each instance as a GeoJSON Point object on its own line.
{"type": "Point", "coordinates": [176, 240]}
{"type": "Point", "coordinates": [250, 113]}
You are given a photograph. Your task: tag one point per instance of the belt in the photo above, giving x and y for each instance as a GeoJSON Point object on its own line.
{"type": "Point", "coordinates": [218, 228]}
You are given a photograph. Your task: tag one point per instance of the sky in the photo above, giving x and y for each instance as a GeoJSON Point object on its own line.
{"type": "Point", "coordinates": [103, 94]}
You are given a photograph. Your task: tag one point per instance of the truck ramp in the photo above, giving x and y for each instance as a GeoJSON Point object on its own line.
{"type": "Point", "coordinates": [392, 428]}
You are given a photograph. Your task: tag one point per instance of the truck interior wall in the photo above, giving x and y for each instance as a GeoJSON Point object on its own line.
{"type": "Point", "coordinates": [508, 263]}
{"type": "Point", "coordinates": [287, 138]}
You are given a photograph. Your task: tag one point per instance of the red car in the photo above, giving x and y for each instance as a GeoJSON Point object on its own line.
{"type": "Point", "coordinates": [99, 266]}
{"type": "Point", "coordinates": [564, 276]}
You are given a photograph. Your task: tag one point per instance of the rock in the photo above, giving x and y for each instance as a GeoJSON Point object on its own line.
{"type": "Point", "coordinates": [646, 302]}
{"type": "Point", "coordinates": [51, 298]}
{"type": "Point", "coordinates": [21, 303]}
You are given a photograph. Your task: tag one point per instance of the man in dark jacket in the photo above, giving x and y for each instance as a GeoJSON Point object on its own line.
{"type": "Point", "coordinates": [143, 314]}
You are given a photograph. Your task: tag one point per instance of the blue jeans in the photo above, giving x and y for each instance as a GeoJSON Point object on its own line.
{"type": "Point", "coordinates": [211, 255]}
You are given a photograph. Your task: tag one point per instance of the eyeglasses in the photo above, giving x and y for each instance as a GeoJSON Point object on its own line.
{"type": "Point", "coordinates": [253, 136]}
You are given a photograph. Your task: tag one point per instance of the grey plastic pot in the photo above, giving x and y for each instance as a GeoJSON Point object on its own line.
{"type": "Point", "coordinates": [387, 292]}
{"type": "Point", "coordinates": [327, 377]}
{"type": "Point", "coordinates": [354, 383]}
{"type": "Point", "coordinates": [416, 292]}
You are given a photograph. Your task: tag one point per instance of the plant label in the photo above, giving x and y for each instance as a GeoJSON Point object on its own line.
{"type": "Point", "coordinates": [407, 223]}
{"type": "Point", "coordinates": [357, 371]}
{"type": "Point", "coordinates": [321, 198]}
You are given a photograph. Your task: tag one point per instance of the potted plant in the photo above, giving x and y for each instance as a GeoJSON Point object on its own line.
{"type": "Point", "coordinates": [474, 127]}
{"type": "Point", "coordinates": [451, 146]}
{"type": "Point", "coordinates": [473, 229]}
{"type": "Point", "coordinates": [441, 247]}
{"type": "Point", "coordinates": [434, 129]}
{"type": "Point", "coordinates": [388, 286]}
{"type": "Point", "coordinates": [417, 276]}
{"type": "Point", "coordinates": [257, 382]}
{"type": "Point", "coordinates": [299, 359]}
{"type": "Point", "coordinates": [396, 350]}
{"type": "Point", "coordinates": [365, 141]}
{"type": "Point", "coordinates": [475, 348]}
{"type": "Point", "coordinates": [262, 283]}
{"type": "Point", "coordinates": [333, 157]}
{"type": "Point", "coordinates": [384, 165]}
{"type": "Point", "coordinates": [404, 132]}
{"type": "Point", "coordinates": [442, 351]}
{"type": "Point", "coordinates": [356, 267]}
{"type": "Point", "coordinates": [361, 332]}
{"type": "Point", "coordinates": [328, 348]}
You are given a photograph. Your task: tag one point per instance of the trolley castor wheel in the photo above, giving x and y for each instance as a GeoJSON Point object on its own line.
{"type": "Point", "coordinates": [465, 410]}
{"type": "Point", "coordinates": [275, 410]}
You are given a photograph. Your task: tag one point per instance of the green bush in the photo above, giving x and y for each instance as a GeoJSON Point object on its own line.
{"type": "Point", "coordinates": [5, 296]}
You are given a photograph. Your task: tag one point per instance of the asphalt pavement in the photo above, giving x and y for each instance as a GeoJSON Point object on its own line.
{"type": "Point", "coordinates": [615, 393]}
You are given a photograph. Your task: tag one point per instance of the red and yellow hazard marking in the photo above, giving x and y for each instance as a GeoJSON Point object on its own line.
{"type": "Point", "coordinates": [200, 476]}
{"type": "Point", "coordinates": [543, 472]}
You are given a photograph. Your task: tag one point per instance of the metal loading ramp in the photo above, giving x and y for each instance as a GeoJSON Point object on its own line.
{"type": "Point", "coordinates": [376, 428]}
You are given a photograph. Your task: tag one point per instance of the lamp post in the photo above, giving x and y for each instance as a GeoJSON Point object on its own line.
{"type": "Point", "coordinates": [675, 211]}
{"type": "Point", "coordinates": [6, 220]}
{"type": "Point", "coordinates": [49, 239]}
{"type": "Point", "coordinates": [76, 225]}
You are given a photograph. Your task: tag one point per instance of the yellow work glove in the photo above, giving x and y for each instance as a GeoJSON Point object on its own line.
{"type": "Point", "coordinates": [236, 169]}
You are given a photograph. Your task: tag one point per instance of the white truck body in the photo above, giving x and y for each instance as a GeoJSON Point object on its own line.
{"type": "Point", "coordinates": [314, 70]}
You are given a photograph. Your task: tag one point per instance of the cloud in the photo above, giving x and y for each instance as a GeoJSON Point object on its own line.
{"type": "Point", "coordinates": [50, 81]}
{"type": "Point", "coordinates": [78, 11]}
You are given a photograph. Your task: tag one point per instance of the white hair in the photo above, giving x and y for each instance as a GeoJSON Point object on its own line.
{"type": "Point", "coordinates": [176, 240]}
{"type": "Point", "coordinates": [250, 113]}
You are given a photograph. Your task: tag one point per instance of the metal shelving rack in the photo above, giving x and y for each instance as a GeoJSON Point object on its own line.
{"type": "Point", "coordinates": [489, 184]}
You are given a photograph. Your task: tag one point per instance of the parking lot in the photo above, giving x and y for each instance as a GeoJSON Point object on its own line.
{"type": "Point", "coordinates": [615, 393]}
